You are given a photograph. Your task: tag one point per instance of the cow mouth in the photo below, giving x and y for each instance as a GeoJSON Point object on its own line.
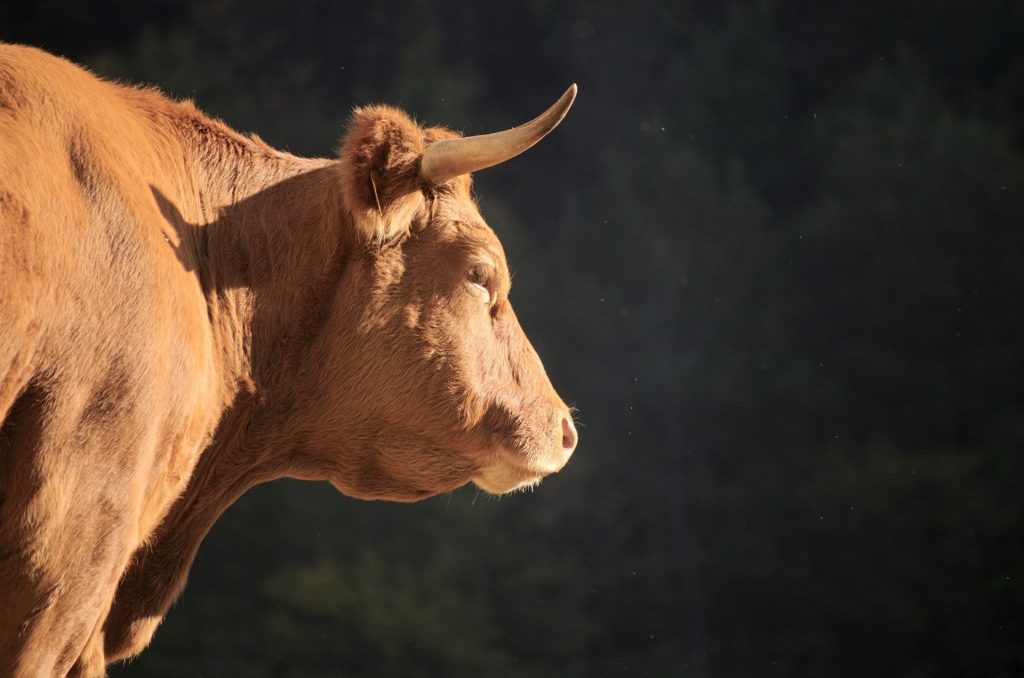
{"type": "Point", "coordinates": [496, 483]}
{"type": "Point", "coordinates": [508, 474]}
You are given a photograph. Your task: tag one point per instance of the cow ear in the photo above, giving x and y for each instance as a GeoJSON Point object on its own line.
{"type": "Point", "coordinates": [379, 165]}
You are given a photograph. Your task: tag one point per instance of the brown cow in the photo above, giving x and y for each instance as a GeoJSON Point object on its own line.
{"type": "Point", "coordinates": [187, 312]}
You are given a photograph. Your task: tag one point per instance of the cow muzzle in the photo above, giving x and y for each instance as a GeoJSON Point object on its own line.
{"type": "Point", "coordinates": [508, 470]}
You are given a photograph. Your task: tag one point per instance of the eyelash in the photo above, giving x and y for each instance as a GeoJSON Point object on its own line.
{"type": "Point", "coordinates": [481, 275]}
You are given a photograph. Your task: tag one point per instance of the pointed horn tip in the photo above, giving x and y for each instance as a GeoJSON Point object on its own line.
{"type": "Point", "coordinates": [563, 105]}
{"type": "Point", "coordinates": [570, 95]}
{"type": "Point", "coordinates": [448, 158]}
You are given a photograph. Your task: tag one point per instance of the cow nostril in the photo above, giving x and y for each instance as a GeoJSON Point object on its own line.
{"type": "Point", "coordinates": [569, 437]}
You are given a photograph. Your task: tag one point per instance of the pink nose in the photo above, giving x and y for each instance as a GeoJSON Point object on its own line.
{"type": "Point", "coordinates": [569, 437]}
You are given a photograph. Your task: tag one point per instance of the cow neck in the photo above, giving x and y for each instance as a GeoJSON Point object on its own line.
{"type": "Point", "coordinates": [269, 241]}
{"type": "Point", "coordinates": [264, 234]}
{"type": "Point", "coordinates": [268, 249]}
{"type": "Point", "coordinates": [270, 252]}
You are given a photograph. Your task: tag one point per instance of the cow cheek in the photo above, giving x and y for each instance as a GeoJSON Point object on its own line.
{"type": "Point", "coordinates": [484, 373]}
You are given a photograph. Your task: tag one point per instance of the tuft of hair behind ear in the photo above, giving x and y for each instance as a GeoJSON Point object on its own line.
{"type": "Point", "coordinates": [379, 164]}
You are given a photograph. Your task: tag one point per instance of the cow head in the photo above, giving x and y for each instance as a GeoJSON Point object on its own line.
{"type": "Point", "coordinates": [426, 377]}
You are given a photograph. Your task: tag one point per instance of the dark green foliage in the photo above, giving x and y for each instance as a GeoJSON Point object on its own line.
{"type": "Point", "coordinates": [774, 256]}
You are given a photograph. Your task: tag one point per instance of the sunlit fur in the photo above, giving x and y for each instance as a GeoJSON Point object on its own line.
{"type": "Point", "coordinates": [187, 312]}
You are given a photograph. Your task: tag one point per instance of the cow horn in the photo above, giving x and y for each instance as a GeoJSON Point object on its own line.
{"type": "Point", "coordinates": [449, 158]}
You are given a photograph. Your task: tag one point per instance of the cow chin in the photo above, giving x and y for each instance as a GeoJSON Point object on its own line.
{"type": "Point", "coordinates": [507, 473]}
{"type": "Point", "coordinates": [505, 480]}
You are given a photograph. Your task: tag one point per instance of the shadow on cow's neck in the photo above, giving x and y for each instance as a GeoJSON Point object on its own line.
{"type": "Point", "coordinates": [265, 265]}
{"type": "Point", "coordinates": [288, 233]}
{"type": "Point", "coordinates": [186, 231]}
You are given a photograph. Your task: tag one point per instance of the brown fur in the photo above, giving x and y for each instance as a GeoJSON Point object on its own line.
{"type": "Point", "coordinates": [187, 312]}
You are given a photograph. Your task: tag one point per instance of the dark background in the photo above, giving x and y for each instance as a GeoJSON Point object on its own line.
{"type": "Point", "coordinates": [774, 255]}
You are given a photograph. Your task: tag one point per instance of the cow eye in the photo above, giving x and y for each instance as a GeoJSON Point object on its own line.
{"type": "Point", "coordinates": [480, 275]}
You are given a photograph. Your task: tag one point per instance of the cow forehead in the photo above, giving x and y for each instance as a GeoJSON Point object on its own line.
{"type": "Point", "coordinates": [456, 206]}
{"type": "Point", "coordinates": [459, 221]}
